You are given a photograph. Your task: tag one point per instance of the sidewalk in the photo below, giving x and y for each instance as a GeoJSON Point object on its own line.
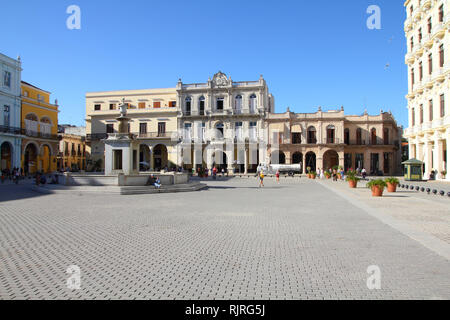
{"type": "Point", "coordinates": [423, 217]}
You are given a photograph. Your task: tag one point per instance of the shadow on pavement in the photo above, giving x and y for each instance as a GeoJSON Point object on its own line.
{"type": "Point", "coordinates": [13, 192]}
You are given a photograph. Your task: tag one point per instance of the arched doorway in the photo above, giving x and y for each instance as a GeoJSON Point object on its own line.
{"type": "Point", "coordinates": [45, 159]}
{"type": "Point", "coordinates": [311, 161]}
{"type": "Point", "coordinates": [144, 157]}
{"type": "Point", "coordinates": [30, 159]}
{"type": "Point", "coordinates": [278, 157]}
{"type": "Point", "coordinates": [220, 160]}
{"type": "Point", "coordinates": [330, 159]}
{"type": "Point", "coordinates": [160, 157]}
{"type": "Point", "coordinates": [6, 152]}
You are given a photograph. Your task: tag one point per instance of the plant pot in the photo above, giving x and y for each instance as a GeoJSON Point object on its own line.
{"type": "Point", "coordinates": [377, 191]}
{"type": "Point", "coordinates": [328, 177]}
{"type": "Point", "coordinates": [309, 176]}
{"type": "Point", "coordinates": [352, 184]}
{"type": "Point", "coordinates": [392, 187]}
{"type": "Point", "coordinates": [313, 177]}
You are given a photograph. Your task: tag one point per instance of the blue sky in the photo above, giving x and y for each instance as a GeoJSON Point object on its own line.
{"type": "Point", "coordinates": [312, 53]}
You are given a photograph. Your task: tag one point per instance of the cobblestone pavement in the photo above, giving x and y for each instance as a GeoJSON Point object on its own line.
{"type": "Point", "coordinates": [296, 240]}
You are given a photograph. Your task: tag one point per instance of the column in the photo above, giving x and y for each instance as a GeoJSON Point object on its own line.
{"type": "Point", "coordinates": [341, 159]}
{"type": "Point", "coordinates": [439, 157]}
{"type": "Point", "coordinates": [367, 162]}
{"type": "Point", "coordinates": [304, 162]}
{"type": "Point", "coordinates": [447, 177]}
{"type": "Point", "coordinates": [152, 160]}
{"type": "Point", "coordinates": [230, 154]}
{"type": "Point", "coordinates": [427, 160]}
{"type": "Point", "coordinates": [411, 152]}
{"type": "Point", "coordinates": [381, 162]}
{"type": "Point", "coordinates": [246, 160]}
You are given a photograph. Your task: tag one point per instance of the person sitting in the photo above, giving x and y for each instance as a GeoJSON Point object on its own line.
{"type": "Point", "coordinates": [157, 183]}
{"type": "Point", "coordinates": [151, 180]}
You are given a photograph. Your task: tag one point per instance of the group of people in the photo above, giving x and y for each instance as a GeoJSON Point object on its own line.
{"type": "Point", "coordinates": [15, 175]}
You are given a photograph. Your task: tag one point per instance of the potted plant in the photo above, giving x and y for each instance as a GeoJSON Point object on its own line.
{"type": "Point", "coordinates": [444, 174]}
{"type": "Point", "coordinates": [352, 179]}
{"type": "Point", "coordinates": [392, 184]}
{"type": "Point", "coordinates": [308, 172]}
{"type": "Point", "coordinates": [377, 186]}
{"type": "Point", "coordinates": [327, 175]}
{"type": "Point", "coordinates": [313, 174]}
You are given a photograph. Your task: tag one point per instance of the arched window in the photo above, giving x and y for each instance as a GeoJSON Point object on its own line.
{"type": "Point", "coordinates": [359, 136]}
{"type": "Point", "coordinates": [386, 136]}
{"type": "Point", "coordinates": [252, 103]}
{"type": "Point", "coordinates": [347, 136]}
{"type": "Point", "coordinates": [238, 104]}
{"type": "Point", "coordinates": [201, 106]}
{"type": "Point", "coordinates": [219, 130]}
{"type": "Point", "coordinates": [312, 138]}
{"type": "Point", "coordinates": [188, 106]}
{"type": "Point", "coordinates": [31, 124]}
{"type": "Point", "coordinates": [331, 134]}
{"type": "Point", "coordinates": [31, 117]}
{"type": "Point", "coordinates": [373, 136]}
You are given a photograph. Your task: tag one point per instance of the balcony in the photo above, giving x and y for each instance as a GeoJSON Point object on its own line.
{"type": "Point", "coordinates": [331, 141]}
{"type": "Point", "coordinates": [155, 135]}
{"type": "Point", "coordinates": [439, 75]}
{"type": "Point", "coordinates": [417, 14]}
{"type": "Point", "coordinates": [426, 4]}
{"type": "Point", "coordinates": [438, 31]}
{"type": "Point", "coordinates": [408, 24]}
{"type": "Point", "coordinates": [410, 58]}
{"type": "Point", "coordinates": [96, 136]}
{"type": "Point", "coordinates": [11, 130]}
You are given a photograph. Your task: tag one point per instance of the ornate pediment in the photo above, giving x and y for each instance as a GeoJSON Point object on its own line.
{"type": "Point", "coordinates": [220, 79]}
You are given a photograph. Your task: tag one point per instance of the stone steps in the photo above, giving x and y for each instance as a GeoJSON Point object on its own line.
{"type": "Point", "coordinates": [131, 190]}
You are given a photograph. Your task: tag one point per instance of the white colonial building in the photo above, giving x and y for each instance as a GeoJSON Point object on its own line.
{"type": "Point", "coordinates": [10, 107]}
{"type": "Point", "coordinates": [427, 30]}
{"type": "Point", "coordinates": [223, 123]}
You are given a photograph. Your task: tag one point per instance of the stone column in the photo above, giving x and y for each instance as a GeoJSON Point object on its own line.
{"type": "Point", "coordinates": [439, 156]}
{"type": "Point", "coordinates": [304, 162]}
{"type": "Point", "coordinates": [381, 162]}
{"type": "Point", "coordinates": [230, 153]}
{"type": "Point", "coordinates": [367, 162]}
{"type": "Point", "coordinates": [152, 160]}
{"type": "Point", "coordinates": [427, 160]}
{"type": "Point", "coordinates": [246, 160]}
{"type": "Point", "coordinates": [447, 141]}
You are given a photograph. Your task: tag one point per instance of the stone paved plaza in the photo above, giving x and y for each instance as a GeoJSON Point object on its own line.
{"type": "Point", "coordinates": [301, 239]}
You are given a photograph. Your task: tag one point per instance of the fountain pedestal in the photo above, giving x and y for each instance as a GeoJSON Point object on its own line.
{"type": "Point", "coordinates": [122, 148]}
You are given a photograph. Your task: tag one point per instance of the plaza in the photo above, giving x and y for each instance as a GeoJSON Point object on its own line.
{"type": "Point", "coordinates": [300, 239]}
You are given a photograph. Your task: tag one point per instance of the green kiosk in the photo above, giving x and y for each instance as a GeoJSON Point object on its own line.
{"type": "Point", "coordinates": [413, 170]}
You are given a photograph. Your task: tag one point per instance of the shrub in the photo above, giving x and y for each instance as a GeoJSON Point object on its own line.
{"type": "Point", "coordinates": [352, 178]}
{"type": "Point", "coordinates": [392, 180]}
{"type": "Point", "coordinates": [377, 183]}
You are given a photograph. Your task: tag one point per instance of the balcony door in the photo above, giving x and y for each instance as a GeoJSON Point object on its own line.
{"type": "Point", "coordinates": [161, 129]}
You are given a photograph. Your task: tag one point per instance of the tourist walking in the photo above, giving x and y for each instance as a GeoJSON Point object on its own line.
{"type": "Point", "coordinates": [364, 173]}
{"type": "Point", "coordinates": [214, 173]}
{"type": "Point", "coordinates": [278, 176]}
{"type": "Point", "coordinates": [261, 179]}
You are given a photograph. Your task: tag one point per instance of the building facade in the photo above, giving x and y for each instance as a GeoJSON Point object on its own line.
{"type": "Point", "coordinates": [223, 123]}
{"type": "Point", "coordinates": [153, 120]}
{"type": "Point", "coordinates": [10, 106]}
{"type": "Point", "coordinates": [72, 148]}
{"type": "Point", "coordinates": [39, 122]}
{"type": "Point", "coordinates": [428, 47]}
{"type": "Point", "coordinates": [330, 138]}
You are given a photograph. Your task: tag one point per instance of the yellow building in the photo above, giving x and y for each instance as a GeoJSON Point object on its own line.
{"type": "Point", "coordinates": [72, 148]}
{"type": "Point", "coordinates": [39, 121]}
{"type": "Point", "coordinates": [153, 119]}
